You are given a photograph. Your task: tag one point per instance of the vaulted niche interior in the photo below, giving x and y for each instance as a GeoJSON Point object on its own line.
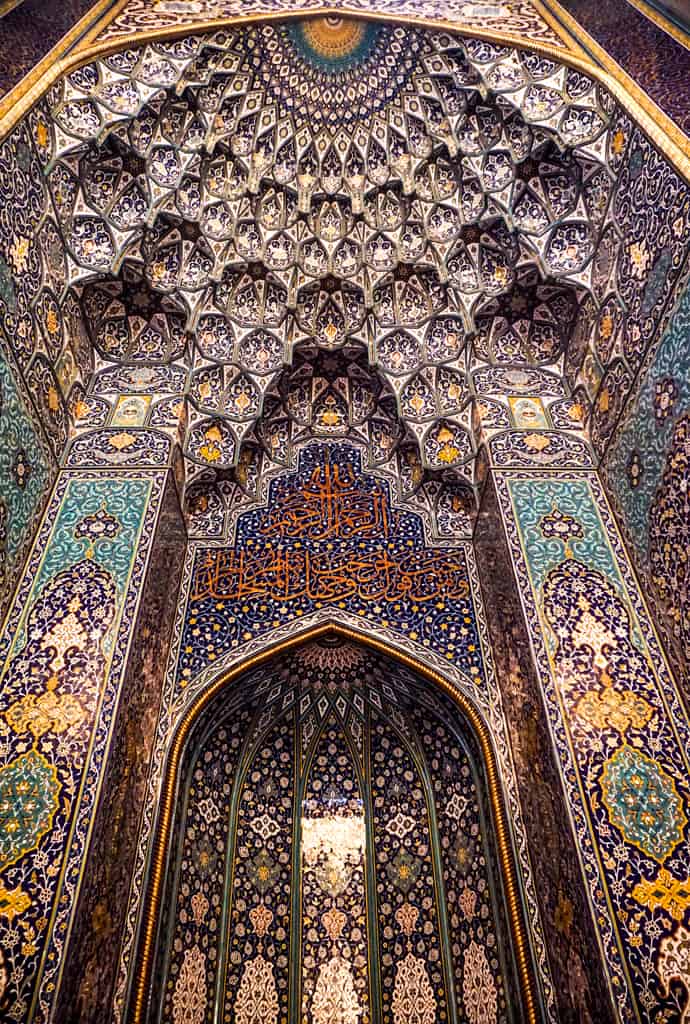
{"type": "Point", "coordinates": [333, 858]}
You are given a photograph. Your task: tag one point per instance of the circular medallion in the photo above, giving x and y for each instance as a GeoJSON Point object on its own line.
{"type": "Point", "coordinates": [334, 44]}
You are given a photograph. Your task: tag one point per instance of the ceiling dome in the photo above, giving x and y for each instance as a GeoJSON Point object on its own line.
{"type": "Point", "coordinates": [430, 207]}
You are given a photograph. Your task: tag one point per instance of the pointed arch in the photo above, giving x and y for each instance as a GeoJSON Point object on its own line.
{"type": "Point", "coordinates": [147, 939]}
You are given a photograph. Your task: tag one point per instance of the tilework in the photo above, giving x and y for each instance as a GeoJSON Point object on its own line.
{"type": "Point", "coordinates": [43, 328]}
{"type": "Point", "coordinates": [26, 474]}
{"type": "Point", "coordinates": [30, 31]}
{"type": "Point", "coordinates": [329, 538]}
{"type": "Point", "coordinates": [620, 732]}
{"type": "Point", "coordinates": [579, 982]}
{"type": "Point", "coordinates": [518, 17]}
{"type": "Point", "coordinates": [646, 473]}
{"type": "Point", "coordinates": [62, 654]}
{"type": "Point", "coordinates": [356, 582]}
{"type": "Point", "coordinates": [85, 991]}
{"type": "Point", "coordinates": [386, 762]}
{"type": "Point", "coordinates": [656, 61]}
{"type": "Point", "coordinates": [636, 278]}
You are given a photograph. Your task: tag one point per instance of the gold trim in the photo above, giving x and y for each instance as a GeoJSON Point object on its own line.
{"type": "Point", "coordinates": [54, 58]}
{"type": "Point", "coordinates": [569, 42]}
{"type": "Point", "coordinates": [6, 6]}
{"type": "Point", "coordinates": [661, 22]}
{"type": "Point", "coordinates": [672, 142]}
{"type": "Point", "coordinates": [153, 893]}
{"type": "Point", "coordinates": [661, 128]}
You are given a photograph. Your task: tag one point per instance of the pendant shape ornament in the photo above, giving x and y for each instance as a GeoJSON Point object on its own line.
{"type": "Point", "coordinates": [642, 801]}
{"type": "Point", "coordinates": [189, 1000]}
{"type": "Point", "coordinates": [257, 996]}
{"type": "Point", "coordinates": [413, 996]}
{"type": "Point", "coordinates": [29, 792]}
{"type": "Point", "coordinates": [335, 999]}
{"type": "Point", "coordinates": [478, 987]}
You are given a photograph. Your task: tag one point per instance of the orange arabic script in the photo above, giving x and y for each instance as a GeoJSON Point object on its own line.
{"type": "Point", "coordinates": [330, 505]}
{"type": "Point", "coordinates": [227, 575]}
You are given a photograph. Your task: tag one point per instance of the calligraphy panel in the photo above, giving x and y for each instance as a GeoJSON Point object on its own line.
{"type": "Point", "coordinates": [329, 536]}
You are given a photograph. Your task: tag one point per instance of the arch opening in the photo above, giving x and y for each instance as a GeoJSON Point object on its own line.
{"type": "Point", "coordinates": [333, 841]}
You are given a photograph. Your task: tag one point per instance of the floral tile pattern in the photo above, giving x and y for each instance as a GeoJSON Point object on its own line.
{"type": "Point", "coordinates": [26, 474]}
{"type": "Point", "coordinates": [519, 17]}
{"type": "Point", "coordinates": [389, 788]}
{"type": "Point", "coordinates": [329, 545]}
{"type": "Point", "coordinates": [646, 471]}
{"type": "Point", "coordinates": [656, 61]}
{"type": "Point", "coordinates": [62, 655]}
{"type": "Point", "coordinates": [620, 731]}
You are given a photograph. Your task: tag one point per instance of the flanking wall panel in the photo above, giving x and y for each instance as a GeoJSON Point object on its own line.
{"type": "Point", "coordinates": [62, 656]}
{"type": "Point", "coordinates": [647, 473]}
{"type": "Point", "coordinates": [27, 470]}
{"type": "Point", "coordinates": [619, 729]}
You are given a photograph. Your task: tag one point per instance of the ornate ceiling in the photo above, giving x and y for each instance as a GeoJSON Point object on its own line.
{"type": "Point", "coordinates": [329, 228]}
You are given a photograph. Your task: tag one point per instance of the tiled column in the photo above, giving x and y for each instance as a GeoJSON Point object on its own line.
{"type": "Point", "coordinates": [579, 983]}
{"type": "Point", "coordinates": [82, 659]}
{"type": "Point", "coordinates": [619, 733]}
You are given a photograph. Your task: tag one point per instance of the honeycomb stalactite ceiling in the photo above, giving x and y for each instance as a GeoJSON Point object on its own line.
{"type": "Point", "coordinates": [328, 225]}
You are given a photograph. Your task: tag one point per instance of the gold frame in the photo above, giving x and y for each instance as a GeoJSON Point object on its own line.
{"type": "Point", "coordinates": [154, 889]}
{"type": "Point", "coordinates": [673, 143]}
{"type": "Point", "coordinates": [665, 130]}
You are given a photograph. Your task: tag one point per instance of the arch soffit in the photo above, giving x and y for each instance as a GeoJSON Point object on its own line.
{"type": "Point", "coordinates": [241, 665]}
{"type": "Point", "coordinates": [672, 142]}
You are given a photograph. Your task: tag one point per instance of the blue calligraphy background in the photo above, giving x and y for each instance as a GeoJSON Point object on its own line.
{"type": "Point", "coordinates": [329, 537]}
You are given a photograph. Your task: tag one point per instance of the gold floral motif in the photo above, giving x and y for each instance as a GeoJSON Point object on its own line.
{"type": "Point", "coordinates": [19, 251]}
{"type": "Point", "coordinates": [261, 918]}
{"type": "Point", "coordinates": [199, 907]}
{"type": "Point", "coordinates": [406, 916]}
{"type": "Point", "coordinates": [52, 322]}
{"type": "Point", "coordinates": [640, 258]}
{"type": "Point", "coordinates": [122, 440]}
{"type": "Point", "coordinates": [618, 142]}
{"type": "Point", "coordinates": [665, 891]}
{"type": "Point", "coordinates": [13, 902]}
{"type": "Point", "coordinates": [41, 134]}
{"type": "Point", "coordinates": [48, 712]}
{"type": "Point", "coordinates": [536, 442]}
{"type": "Point", "coordinates": [334, 922]}
{"type": "Point", "coordinates": [611, 709]}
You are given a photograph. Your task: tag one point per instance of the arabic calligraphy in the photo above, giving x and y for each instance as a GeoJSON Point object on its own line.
{"type": "Point", "coordinates": [286, 576]}
{"type": "Point", "coordinates": [331, 505]}
{"type": "Point", "coordinates": [329, 536]}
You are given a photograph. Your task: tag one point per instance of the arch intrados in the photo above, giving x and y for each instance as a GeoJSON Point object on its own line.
{"type": "Point", "coordinates": [146, 942]}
